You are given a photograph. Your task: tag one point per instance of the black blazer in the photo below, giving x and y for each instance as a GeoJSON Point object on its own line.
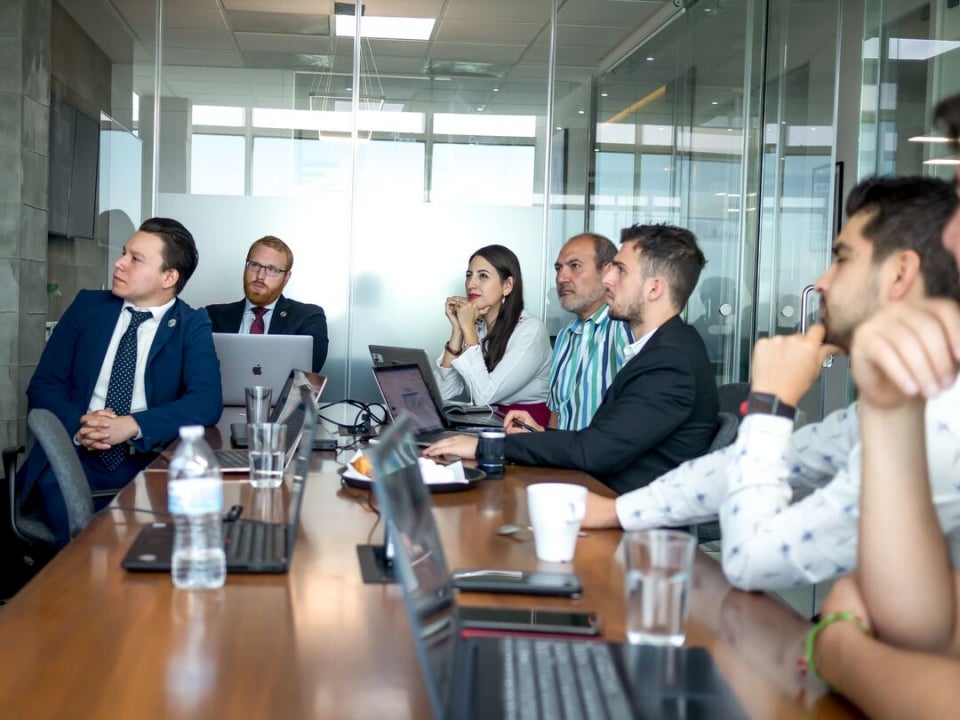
{"type": "Point", "coordinates": [289, 318]}
{"type": "Point", "coordinates": [660, 411]}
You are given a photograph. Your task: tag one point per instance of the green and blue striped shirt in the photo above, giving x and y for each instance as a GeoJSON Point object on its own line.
{"type": "Point", "coordinates": [586, 356]}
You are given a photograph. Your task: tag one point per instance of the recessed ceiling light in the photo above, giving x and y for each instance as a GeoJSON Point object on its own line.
{"type": "Point", "coordinates": [649, 59]}
{"type": "Point", "coordinates": [580, 112]}
{"type": "Point", "coordinates": [714, 103]}
{"type": "Point", "coordinates": [390, 28]}
{"type": "Point", "coordinates": [496, 89]}
{"type": "Point", "coordinates": [928, 139]}
{"type": "Point", "coordinates": [603, 94]}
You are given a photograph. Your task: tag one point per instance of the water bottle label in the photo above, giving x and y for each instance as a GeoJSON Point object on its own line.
{"type": "Point", "coordinates": [196, 496]}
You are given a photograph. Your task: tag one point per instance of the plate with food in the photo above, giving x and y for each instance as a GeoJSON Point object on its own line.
{"type": "Point", "coordinates": [358, 473]}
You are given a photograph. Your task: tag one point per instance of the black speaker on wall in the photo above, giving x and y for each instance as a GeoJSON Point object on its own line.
{"type": "Point", "coordinates": [73, 171]}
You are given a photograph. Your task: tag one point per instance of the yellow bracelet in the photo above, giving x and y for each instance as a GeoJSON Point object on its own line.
{"type": "Point", "coordinates": [815, 630]}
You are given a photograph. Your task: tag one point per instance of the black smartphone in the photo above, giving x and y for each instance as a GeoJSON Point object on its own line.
{"type": "Point", "coordinates": [517, 581]}
{"type": "Point", "coordinates": [527, 620]}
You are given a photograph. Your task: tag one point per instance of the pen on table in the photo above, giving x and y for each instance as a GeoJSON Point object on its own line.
{"type": "Point", "coordinates": [518, 423]}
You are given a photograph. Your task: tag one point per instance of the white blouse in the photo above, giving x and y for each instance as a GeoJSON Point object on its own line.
{"type": "Point", "coordinates": [521, 376]}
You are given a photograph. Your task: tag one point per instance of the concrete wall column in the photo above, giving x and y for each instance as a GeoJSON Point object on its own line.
{"type": "Point", "coordinates": [24, 132]}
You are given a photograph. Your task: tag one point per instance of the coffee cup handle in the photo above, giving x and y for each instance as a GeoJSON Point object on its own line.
{"type": "Point", "coordinates": [577, 511]}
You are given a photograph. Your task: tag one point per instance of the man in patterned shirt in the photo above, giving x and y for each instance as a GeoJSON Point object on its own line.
{"type": "Point", "coordinates": [890, 250]}
{"type": "Point", "coordinates": [589, 351]}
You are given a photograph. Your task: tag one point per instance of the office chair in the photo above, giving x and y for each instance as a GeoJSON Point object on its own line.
{"type": "Point", "coordinates": [727, 425]}
{"type": "Point", "coordinates": [731, 397]}
{"type": "Point", "coordinates": [27, 540]}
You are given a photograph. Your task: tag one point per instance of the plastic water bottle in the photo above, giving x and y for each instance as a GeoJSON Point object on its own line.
{"type": "Point", "coordinates": [195, 493]}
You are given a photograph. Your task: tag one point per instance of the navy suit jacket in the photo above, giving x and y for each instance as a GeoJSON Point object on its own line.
{"type": "Point", "coordinates": [660, 411]}
{"type": "Point", "coordinates": [289, 318]}
{"type": "Point", "coordinates": [181, 381]}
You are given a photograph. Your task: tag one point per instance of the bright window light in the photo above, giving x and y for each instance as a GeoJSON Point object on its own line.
{"type": "Point", "coordinates": [908, 48]}
{"type": "Point", "coordinates": [928, 139]}
{"type": "Point", "coordinates": [135, 115]}
{"type": "Point", "coordinates": [219, 115]}
{"type": "Point", "coordinates": [388, 28]}
{"type": "Point", "coordinates": [485, 125]}
{"type": "Point", "coordinates": [942, 161]}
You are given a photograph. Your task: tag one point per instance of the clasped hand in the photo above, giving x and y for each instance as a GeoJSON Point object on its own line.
{"type": "Point", "coordinates": [461, 312]}
{"type": "Point", "coordinates": [102, 429]}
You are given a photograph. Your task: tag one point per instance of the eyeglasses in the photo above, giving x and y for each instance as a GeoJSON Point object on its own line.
{"type": "Point", "coordinates": [270, 270]}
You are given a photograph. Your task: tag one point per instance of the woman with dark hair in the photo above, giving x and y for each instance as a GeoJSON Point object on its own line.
{"type": "Point", "coordinates": [497, 353]}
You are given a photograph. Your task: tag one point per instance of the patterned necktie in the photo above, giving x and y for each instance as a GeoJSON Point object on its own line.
{"type": "Point", "coordinates": [257, 327]}
{"type": "Point", "coordinates": [120, 389]}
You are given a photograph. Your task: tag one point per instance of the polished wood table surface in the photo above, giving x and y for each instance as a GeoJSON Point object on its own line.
{"type": "Point", "coordinates": [85, 639]}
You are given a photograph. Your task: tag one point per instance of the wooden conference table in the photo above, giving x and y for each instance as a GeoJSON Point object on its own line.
{"type": "Point", "coordinates": [86, 639]}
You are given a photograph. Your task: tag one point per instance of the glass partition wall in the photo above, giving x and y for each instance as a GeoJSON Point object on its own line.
{"type": "Point", "coordinates": [385, 164]}
{"type": "Point", "coordinates": [723, 123]}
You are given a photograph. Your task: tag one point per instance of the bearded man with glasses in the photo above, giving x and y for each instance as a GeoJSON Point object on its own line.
{"type": "Point", "coordinates": [265, 310]}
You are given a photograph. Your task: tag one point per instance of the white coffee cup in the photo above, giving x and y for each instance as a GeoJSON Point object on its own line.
{"type": "Point", "coordinates": [556, 511]}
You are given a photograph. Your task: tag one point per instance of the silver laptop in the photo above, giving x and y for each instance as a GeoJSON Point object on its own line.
{"type": "Point", "coordinates": [289, 411]}
{"type": "Point", "coordinates": [266, 360]}
{"type": "Point", "coordinates": [517, 677]}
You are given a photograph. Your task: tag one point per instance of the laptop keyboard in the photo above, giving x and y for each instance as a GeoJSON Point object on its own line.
{"type": "Point", "coordinates": [569, 680]}
{"type": "Point", "coordinates": [253, 543]}
{"type": "Point", "coordinates": [232, 458]}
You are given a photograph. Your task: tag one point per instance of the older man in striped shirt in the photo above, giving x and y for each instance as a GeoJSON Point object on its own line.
{"type": "Point", "coordinates": [589, 351]}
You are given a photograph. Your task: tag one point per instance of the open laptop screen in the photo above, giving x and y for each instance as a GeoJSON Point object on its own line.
{"type": "Point", "coordinates": [404, 390]}
{"type": "Point", "coordinates": [419, 558]}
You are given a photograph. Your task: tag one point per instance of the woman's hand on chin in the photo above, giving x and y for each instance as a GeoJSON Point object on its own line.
{"type": "Point", "coordinates": [452, 306]}
{"type": "Point", "coordinates": [467, 315]}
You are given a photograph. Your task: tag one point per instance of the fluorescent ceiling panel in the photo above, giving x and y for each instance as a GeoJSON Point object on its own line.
{"type": "Point", "coordinates": [391, 28]}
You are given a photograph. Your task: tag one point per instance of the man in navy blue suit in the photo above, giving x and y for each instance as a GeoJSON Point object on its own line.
{"type": "Point", "coordinates": [265, 310]}
{"type": "Point", "coordinates": [172, 370]}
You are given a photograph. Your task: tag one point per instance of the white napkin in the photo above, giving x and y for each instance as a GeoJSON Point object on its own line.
{"type": "Point", "coordinates": [433, 474]}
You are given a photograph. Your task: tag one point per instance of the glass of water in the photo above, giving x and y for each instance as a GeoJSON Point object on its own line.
{"type": "Point", "coordinates": [267, 454]}
{"type": "Point", "coordinates": [658, 566]}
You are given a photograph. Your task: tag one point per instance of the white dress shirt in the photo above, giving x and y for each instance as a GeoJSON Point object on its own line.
{"type": "Point", "coordinates": [248, 317]}
{"type": "Point", "coordinates": [521, 376]}
{"type": "Point", "coordinates": [145, 335]}
{"type": "Point", "coordinates": [789, 501]}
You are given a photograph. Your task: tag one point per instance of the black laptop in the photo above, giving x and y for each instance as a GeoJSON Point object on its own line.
{"type": "Point", "coordinates": [252, 546]}
{"type": "Point", "coordinates": [517, 677]}
{"type": "Point", "coordinates": [455, 413]}
{"type": "Point", "coordinates": [404, 390]}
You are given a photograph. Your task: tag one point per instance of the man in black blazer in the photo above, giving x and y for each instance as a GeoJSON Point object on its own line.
{"type": "Point", "coordinates": [265, 310]}
{"type": "Point", "coordinates": [661, 408]}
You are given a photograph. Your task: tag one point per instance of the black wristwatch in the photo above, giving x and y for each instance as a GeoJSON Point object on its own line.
{"type": "Point", "coordinates": [767, 404]}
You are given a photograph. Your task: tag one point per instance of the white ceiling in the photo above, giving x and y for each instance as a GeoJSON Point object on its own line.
{"type": "Point", "coordinates": [482, 53]}
{"type": "Point", "coordinates": [247, 48]}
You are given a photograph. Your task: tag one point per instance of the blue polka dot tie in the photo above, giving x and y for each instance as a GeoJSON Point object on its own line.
{"type": "Point", "coordinates": [120, 389]}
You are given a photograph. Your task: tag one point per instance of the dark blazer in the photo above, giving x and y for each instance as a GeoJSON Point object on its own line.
{"type": "Point", "coordinates": [181, 381]}
{"type": "Point", "coordinates": [289, 318]}
{"type": "Point", "coordinates": [660, 411]}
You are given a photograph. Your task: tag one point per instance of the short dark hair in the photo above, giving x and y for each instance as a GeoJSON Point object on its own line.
{"type": "Point", "coordinates": [179, 249]}
{"type": "Point", "coordinates": [603, 248]}
{"type": "Point", "coordinates": [910, 213]}
{"type": "Point", "coordinates": [274, 243]}
{"type": "Point", "coordinates": [669, 251]}
{"type": "Point", "coordinates": [946, 114]}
